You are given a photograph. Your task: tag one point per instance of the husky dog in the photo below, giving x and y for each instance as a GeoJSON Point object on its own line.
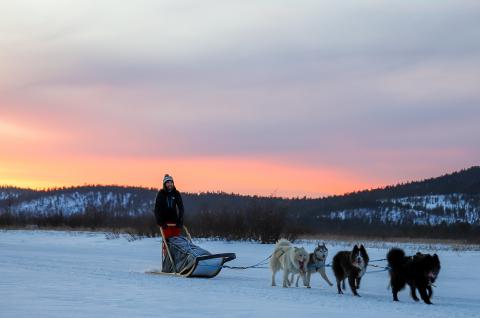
{"type": "Point", "coordinates": [289, 258]}
{"type": "Point", "coordinates": [316, 263]}
{"type": "Point", "coordinates": [351, 265]}
{"type": "Point", "coordinates": [419, 272]}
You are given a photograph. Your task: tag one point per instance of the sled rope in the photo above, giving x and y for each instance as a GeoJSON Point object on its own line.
{"type": "Point", "coordinates": [257, 265]}
{"type": "Point", "coordinates": [262, 263]}
{"type": "Point", "coordinates": [382, 269]}
{"type": "Point", "coordinates": [376, 271]}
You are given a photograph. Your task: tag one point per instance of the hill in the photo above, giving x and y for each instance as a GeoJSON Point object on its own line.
{"type": "Point", "coordinates": [445, 200]}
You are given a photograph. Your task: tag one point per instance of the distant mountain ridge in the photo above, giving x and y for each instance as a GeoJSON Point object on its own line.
{"type": "Point", "coordinates": [464, 181]}
{"type": "Point", "coordinates": [449, 198]}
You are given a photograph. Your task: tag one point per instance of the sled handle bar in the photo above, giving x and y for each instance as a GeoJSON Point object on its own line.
{"type": "Point", "coordinates": [187, 232]}
{"type": "Point", "coordinates": [168, 250]}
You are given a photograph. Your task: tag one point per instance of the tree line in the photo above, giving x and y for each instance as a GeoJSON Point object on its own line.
{"type": "Point", "coordinates": [264, 222]}
{"type": "Point", "coordinates": [242, 217]}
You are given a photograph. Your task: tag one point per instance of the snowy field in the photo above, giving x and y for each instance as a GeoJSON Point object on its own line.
{"type": "Point", "coordinates": [71, 274]}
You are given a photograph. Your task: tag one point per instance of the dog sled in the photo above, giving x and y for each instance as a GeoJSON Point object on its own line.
{"type": "Point", "coordinates": [180, 257]}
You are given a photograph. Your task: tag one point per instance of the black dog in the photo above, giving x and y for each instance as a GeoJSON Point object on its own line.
{"type": "Point", "coordinates": [351, 265]}
{"type": "Point", "coordinates": [419, 272]}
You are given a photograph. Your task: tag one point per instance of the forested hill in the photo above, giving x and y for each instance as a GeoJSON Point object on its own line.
{"type": "Point", "coordinates": [465, 181]}
{"type": "Point", "coordinates": [449, 198]}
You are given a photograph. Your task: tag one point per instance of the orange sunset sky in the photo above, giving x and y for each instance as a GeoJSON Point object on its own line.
{"type": "Point", "coordinates": [254, 98]}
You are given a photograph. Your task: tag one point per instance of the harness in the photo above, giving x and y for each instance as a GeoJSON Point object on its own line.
{"type": "Point", "coordinates": [283, 252]}
{"type": "Point", "coordinates": [316, 265]}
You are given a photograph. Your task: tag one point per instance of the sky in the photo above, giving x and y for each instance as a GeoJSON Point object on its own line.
{"type": "Point", "coordinates": [270, 97]}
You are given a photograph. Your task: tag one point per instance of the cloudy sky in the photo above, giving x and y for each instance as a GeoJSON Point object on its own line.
{"type": "Point", "coordinates": [289, 98]}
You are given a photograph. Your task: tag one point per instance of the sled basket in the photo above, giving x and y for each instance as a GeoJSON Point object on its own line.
{"type": "Point", "coordinates": [209, 266]}
{"type": "Point", "coordinates": [183, 258]}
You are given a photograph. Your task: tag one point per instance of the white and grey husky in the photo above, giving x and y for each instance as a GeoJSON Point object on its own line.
{"type": "Point", "coordinates": [316, 264]}
{"type": "Point", "coordinates": [289, 258]}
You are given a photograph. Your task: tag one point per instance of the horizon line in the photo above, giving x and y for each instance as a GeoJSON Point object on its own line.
{"type": "Point", "coordinates": [234, 193]}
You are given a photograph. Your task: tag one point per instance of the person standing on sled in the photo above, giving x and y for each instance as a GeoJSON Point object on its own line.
{"type": "Point", "coordinates": [179, 255]}
{"type": "Point", "coordinates": [169, 208]}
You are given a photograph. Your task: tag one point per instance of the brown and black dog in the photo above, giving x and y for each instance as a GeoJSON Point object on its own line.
{"type": "Point", "coordinates": [352, 266]}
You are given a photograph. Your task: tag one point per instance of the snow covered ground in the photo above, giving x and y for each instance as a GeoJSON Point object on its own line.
{"type": "Point", "coordinates": [71, 274]}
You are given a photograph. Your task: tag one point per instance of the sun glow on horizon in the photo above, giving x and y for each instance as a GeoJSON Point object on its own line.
{"type": "Point", "coordinates": [232, 175]}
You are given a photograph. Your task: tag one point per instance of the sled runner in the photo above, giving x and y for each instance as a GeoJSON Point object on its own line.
{"type": "Point", "coordinates": [180, 257]}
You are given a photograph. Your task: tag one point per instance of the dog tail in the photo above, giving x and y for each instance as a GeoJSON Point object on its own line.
{"type": "Point", "coordinates": [279, 250]}
{"type": "Point", "coordinates": [283, 243]}
{"type": "Point", "coordinates": [395, 258]}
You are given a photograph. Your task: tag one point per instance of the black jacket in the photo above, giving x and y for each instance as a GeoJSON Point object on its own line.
{"type": "Point", "coordinates": [166, 205]}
